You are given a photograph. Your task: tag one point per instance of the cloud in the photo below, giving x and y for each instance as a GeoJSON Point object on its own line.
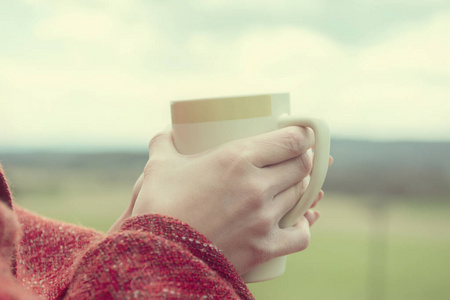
{"type": "Point", "coordinates": [89, 88]}
{"type": "Point", "coordinates": [118, 68]}
{"type": "Point", "coordinates": [378, 91]}
{"type": "Point", "coordinates": [273, 6]}
{"type": "Point", "coordinates": [100, 32]}
{"type": "Point", "coordinates": [76, 26]}
{"type": "Point", "coordinates": [401, 86]}
{"type": "Point", "coordinates": [287, 50]}
{"type": "Point", "coordinates": [398, 88]}
{"type": "Point", "coordinates": [421, 49]}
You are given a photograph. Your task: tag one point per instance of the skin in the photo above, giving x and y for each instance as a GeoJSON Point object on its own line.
{"type": "Point", "coordinates": [234, 194]}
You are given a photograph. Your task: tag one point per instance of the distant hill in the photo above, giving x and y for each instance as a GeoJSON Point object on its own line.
{"type": "Point", "coordinates": [393, 168]}
{"type": "Point", "coordinates": [360, 167]}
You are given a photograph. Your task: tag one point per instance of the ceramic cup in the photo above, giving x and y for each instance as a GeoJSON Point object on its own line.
{"type": "Point", "coordinates": [205, 123]}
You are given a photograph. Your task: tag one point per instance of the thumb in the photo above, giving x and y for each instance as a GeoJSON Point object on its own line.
{"type": "Point", "coordinates": [162, 143]}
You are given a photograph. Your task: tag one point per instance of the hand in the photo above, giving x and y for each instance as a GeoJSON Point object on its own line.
{"type": "Point", "coordinates": [235, 194]}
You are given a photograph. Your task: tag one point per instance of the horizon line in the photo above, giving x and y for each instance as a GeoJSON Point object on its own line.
{"type": "Point", "coordinates": [135, 148]}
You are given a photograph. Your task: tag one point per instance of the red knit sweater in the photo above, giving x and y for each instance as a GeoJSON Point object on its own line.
{"type": "Point", "coordinates": [150, 257]}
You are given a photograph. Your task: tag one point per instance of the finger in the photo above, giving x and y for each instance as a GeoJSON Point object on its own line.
{"type": "Point", "coordinates": [312, 216]}
{"type": "Point", "coordinates": [319, 197]}
{"type": "Point", "coordinates": [287, 199]}
{"type": "Point", "coordinates": [330, 160]}
{"type": "Point", "coordinates": [293, 239]}
{"type": "Point", "coordinates": [288, 173]}
{"type": "Point", "coordinates": [278, 146]}
{"type": "Point", "coordinates": [136, 189]}
{"type": "Point", "coordinates": [162, 143]}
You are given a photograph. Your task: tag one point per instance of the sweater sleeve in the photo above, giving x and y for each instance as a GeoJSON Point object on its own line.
{"type": "Point", "coordinates": [154, 257]}
{"type": "Point", "coordinates": [151, 257]}
{"type": "Point", "coordinates": [9, 235]}
{"type": "Point", "coordinates": [49, 252]}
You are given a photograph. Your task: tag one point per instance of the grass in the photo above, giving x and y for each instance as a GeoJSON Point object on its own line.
{"type": "Point", "coordinates": [401, 253]}
{"type": "Point", "coordinates": [399, 250]}
{"type": "Point", "coordinates": [338, 266]}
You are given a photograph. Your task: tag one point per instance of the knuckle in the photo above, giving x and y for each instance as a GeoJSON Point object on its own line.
{"type": "Point", "coordinates": [304, 184]}
{"type": "Point", "coordinates": [151, 167]}
{"type": "Point", "coordinates": [292, 139]}
{"type": "Point", "coordinates": [306, 162]}
{"type": "Point", "coordinates": [254, 197]}
{"type": "Point", "coordinates": [157, 164]}
{"type": "Point", "coordinates": [304, 241]}
{"type": "Point", "coordinates": [255, 193]}
{"type": "Point", "coordinates": [264, 225]}
{"type": "Point", "coordinates": [234, 158]}
{"type": "Point", "coordinates": [155, 138]}
{"type": "Point", "coordinates": [299, 189]}
{"type": "Point", "coordinates": [263, 246]}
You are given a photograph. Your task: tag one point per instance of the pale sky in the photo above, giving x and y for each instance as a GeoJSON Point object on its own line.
{"type": "Point", "coordinates": [101, 73]}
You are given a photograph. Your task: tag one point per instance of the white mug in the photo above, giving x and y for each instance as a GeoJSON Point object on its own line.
{"type": "Point", "coordinates": [205, 123]}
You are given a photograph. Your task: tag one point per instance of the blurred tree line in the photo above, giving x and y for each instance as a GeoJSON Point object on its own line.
{"type": "Point", "coordinates": [415, 169]}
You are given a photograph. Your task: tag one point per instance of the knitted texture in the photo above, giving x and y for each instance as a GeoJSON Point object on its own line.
{"type": "Point", "coordinates": [150, 257]}
{"type": "Point", "coordinates": [9, 237]}
{"type": "Point", "coordinates": [48, 253]}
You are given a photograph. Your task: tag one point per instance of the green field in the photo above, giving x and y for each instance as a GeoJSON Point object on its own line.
{"type": "Point", "coordinates": [401, 251]}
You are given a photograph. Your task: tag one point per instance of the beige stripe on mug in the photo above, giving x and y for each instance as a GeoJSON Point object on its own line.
{"type": "Point", "coordinates": [205, 110]}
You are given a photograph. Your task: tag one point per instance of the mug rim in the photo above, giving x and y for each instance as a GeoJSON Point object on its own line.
{"type": "Point", "coordinates": [228, 97]}
{"type": "Point", "coordinates": [223, 108]}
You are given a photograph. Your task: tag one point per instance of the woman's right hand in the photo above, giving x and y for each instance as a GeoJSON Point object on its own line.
{"type": "Point", "coordinates": [234, 194]}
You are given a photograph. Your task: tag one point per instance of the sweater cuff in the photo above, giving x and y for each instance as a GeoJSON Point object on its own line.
{"type": "Point", "coordinates": [196, 243]}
